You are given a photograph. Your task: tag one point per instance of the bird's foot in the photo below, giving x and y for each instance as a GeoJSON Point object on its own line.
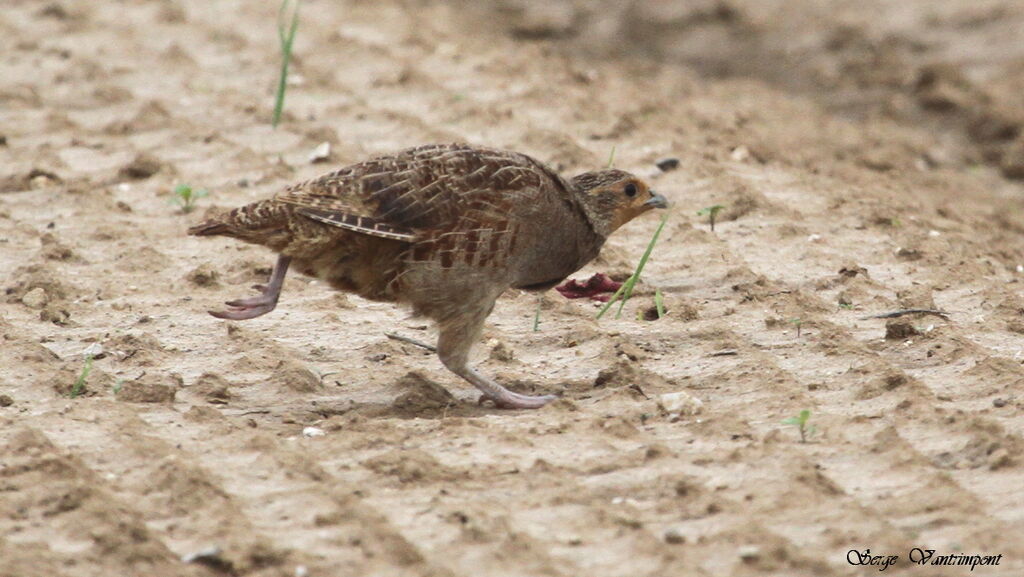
{"type": "Point", "coordinates": [252, 307]}
{"type": "Point", "coordinates": [506, 399]}
{"type": "Point", "coordinates": [242, 309]}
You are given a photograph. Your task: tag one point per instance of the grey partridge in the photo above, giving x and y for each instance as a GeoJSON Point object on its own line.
{"type": "Point", "coordinates": [442, 228]}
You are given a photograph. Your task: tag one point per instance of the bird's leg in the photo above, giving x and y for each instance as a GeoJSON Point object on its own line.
{"type": "Point", "coordinates": [242, 309]}
{"type": "Point", "coordinates": [453, 345]}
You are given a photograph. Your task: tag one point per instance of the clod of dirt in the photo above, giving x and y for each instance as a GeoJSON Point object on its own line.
{"type": "Point", "coordinates": [203, 414]}
{"type": "Point", "coordinates": [626, 374]}
{"type": "Point", "coordinates": [409, 466]}
{"type": "Point", "coordinates": [943, 88]}
{"type": "Point", "coordinates": [667, 164]}
{"type": "Point", "coordinates": [674, 536]}
{"type": "Point", "coordinates": [142, 258]}
{"type": "Point", "coordinates": [290, 376]}
{"type": "Point", "coordinates": [149, 390]}
{"type": "Point", "coordinates": [1012, 163]}
{"type": "Point", "coordinates": [680, 403]}
{"type": "Point", "coordinates": [740, 202]}
{"type": "Point", "coordinates": [54, 249]}
{"type": "Point", "coordinates": [34, 179]}
{"type": "Point", "coordinates": [422, 394]}
{"type": "Point", "coordinates": [204, 275]}
{"type": "Point", "coordinates": [141, 349]}
{"type": "Point", "coordinates": [63, 381]}
{"type": "Point", "coordinates": [55, 313]}
{"type": "Point", "coordinates": [171, 14]}
{"type": "Point", "coordinates": [619, 427]}
{"type": "Point", "coordinates": [899, 329]}
{"type": "Point", "coordinates": [541, 20]}
{"type": "Point", "coordinates": [917, 297]}
{"type": "Point", "coordinates": [210, 557]}
{"type": "Point", "coordinates": [6, 401]}
{"type": "Point", "coordinates": [143, 166]}
{"type": "Point", "coordinates": [35, 298]}
{"type": "Point", "coordinates": [909, 254]}
{"type": "Point", "coordinates": [990, 446]}
{"type": "Point", "coordinates": [629, 351]}
{"type": "Point", "coordinates": [33, 276]}
{"type": "Point", "coordinates": [502, 353]}
{"type": "Point", "coordinates": [890, 381]}
{"type": "Point", "coordinates": [54, 10]}
{"type": "Point", "coordinates": [151, 116]}
{"type": "Point", "coordinates": [213, 387]}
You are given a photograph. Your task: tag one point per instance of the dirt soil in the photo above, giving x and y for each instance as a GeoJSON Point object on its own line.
{"type": "Point", "coordinates": [869, 156]}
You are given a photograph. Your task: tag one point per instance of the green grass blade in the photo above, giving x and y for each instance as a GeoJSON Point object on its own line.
{"type": "Point", "coordinates": [286, 35]}
{"type": "Point", "coordinates": [626, 290]}
{"type": "Point", "coordinates": [79, 386]}
{"type": "Point", "coordinates": [611, 301]}
{"type": "Point", "coordinates": [536, 317]}
{"type": "Point", "coordinates": [659, 304]}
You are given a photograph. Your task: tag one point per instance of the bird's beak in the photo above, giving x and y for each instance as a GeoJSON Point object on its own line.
{"type": "Point", "coordinates": [657, 200]}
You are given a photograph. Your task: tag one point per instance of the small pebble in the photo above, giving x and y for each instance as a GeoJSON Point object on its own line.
{"type": "Point", "coordinates": [322, 153]}
{"type": "Point", "coordinates": [667, 164]}
{"type": "Point", "coordinates": [750, 553]}
{"type": "Point", "coordinates": [674, 536]}
{"type": "Point", "coordinates": [680, 403]}
{"type": "Point", "coordinates": [35, 298]}
{"type": "Point", "coordinates": [740, 153]}
{"type": "Point", "coordinates": [141, 167]}
{"type": "Point", "coordinates": [203, 555]}
{"type": "Point", "coordinates": [6, 401]}
{"type": "Point", "coordinates": [312, 432]}
{"type": "Point", "coordinates": [999, 403]}
{"type": "Point", "coordinates": [95, 350]}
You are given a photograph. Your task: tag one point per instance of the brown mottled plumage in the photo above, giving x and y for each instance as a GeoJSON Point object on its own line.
{"type": "Point", "coordinates": [443, 228]}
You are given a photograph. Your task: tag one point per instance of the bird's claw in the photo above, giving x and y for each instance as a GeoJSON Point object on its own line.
{"type": "Point", "coordinates": [249, 308]}
{"type": "Point", "coordinates": [510, 400]}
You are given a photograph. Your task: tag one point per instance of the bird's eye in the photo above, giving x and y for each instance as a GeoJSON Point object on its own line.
{"type": "Point", "coordinates": [630, 189]}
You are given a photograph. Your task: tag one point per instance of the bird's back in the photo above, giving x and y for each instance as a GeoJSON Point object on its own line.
{"type": "Point", "coordinates": [463, 216]}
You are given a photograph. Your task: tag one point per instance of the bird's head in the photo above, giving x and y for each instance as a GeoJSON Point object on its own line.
{"type": "Point", "coordinates": [614, 197]}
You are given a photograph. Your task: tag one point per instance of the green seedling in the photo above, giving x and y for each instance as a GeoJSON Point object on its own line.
{"type": "Point", "coordinates": [659, 304]}
{"type": "Point", "coordinates": [185, 197]}
{"type": "Point", "coordinates": [712, 213]}
{"type": "Point", "coordinates": [798, 323]}
{"type": "Point", "coordinates": [626, 290]}
{"type": "Point", "coordinates": [800, 422]}
{"type": "Point", "coordinates": [846, 306]}
{"type": "Point", "coordinates": [79, 386]}
{"type": "Point", "coordinates": [286, 35]}
{"type": "Point", "coordinates": [536, 317]}
{"type": "Point", "coordinates": [611, 158]}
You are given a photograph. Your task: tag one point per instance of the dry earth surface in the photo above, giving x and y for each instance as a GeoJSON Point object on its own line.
{"type": "Point", "coordinates": [866, 153]}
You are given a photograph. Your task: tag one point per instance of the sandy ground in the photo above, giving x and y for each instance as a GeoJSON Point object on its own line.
{"type": "Point", "coordinates": [865, 151]}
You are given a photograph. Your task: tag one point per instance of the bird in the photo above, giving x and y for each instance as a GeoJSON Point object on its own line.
{"type": "Point", "coordinates": [442, 228]}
